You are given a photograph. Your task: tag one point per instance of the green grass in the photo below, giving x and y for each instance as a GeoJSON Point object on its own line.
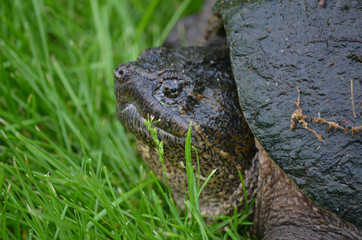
{"type": "Point", "coordinates": [68, 169]}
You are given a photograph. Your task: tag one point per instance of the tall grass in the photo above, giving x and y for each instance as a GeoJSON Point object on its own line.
{"type": "Point", "coordinates": [68, 169]}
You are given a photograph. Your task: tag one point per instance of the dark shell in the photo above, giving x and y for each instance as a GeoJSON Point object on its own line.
{"type": "Point", "coordinates": [279, 46]}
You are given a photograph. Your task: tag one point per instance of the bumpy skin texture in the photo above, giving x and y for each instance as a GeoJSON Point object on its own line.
{"type": "Point", "coordinates": [196, 85]}
{"type": "Point", "coordinates": [277, 46]}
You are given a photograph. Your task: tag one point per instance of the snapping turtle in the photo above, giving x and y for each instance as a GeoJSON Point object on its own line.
{"type": "Point", "coordinates": [294, 70]}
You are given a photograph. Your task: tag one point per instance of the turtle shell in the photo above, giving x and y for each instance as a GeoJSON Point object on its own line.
{"type": "Point", "coordinates": [298, 68]}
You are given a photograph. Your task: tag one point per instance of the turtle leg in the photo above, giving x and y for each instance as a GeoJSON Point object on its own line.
{"type": "Point", "coordinates": [284, 212]}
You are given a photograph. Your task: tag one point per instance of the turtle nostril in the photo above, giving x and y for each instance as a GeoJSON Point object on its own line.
{"type": "Point", "coordinates": [120, 73]}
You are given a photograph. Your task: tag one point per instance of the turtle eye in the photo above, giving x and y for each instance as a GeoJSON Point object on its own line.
{"type": "Point", "coordinates": [172, 89]}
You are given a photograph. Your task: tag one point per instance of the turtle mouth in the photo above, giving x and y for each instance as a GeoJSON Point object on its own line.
{"type": "Point", "coordinates": [134, 121]}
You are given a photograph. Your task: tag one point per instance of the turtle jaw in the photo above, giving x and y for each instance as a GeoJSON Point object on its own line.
{"type": "Point", "coordinates": [134, 122]}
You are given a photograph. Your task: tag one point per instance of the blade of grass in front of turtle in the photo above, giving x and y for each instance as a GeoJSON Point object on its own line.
{"type": "Point", "coordinates": [194, 189]}
{"type": "Point", "coordinates": [190, 169]}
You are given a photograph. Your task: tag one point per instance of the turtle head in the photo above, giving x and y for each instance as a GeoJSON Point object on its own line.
{"type": "Point", "coordinates": [180, 87]}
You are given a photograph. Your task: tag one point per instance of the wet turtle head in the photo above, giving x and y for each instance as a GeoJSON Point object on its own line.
{"type": "Point", "coordinates": [180, 87]}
